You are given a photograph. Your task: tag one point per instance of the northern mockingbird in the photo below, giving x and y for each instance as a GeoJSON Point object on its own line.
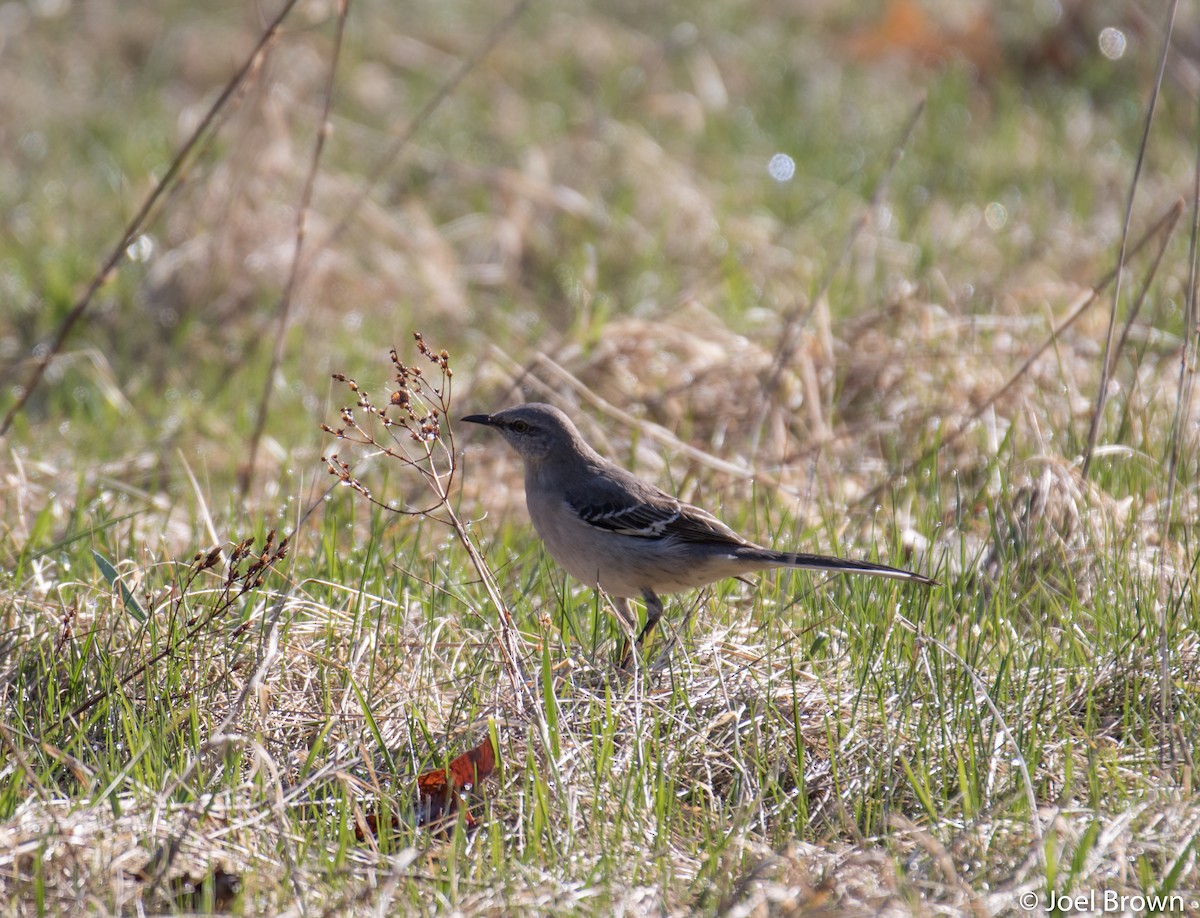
{"type": "Point", "coordinates": [613, 531]}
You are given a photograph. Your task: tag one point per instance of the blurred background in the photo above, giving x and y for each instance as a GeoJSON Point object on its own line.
{"type": "Point", "coordinates": [675, 205]}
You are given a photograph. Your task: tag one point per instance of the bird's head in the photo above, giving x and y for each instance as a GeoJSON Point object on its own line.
{"type": "Point", "coordinates": [535, 431]}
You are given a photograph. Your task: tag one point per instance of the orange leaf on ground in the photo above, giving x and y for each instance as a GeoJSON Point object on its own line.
{"type": "Point", "coordinates": [440, 791]}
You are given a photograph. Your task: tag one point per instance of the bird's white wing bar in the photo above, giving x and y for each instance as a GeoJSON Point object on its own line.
{"type": "Point", "coordinates": [642, 521]}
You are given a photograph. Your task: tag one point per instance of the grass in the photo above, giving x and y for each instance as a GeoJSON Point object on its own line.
{"type": "Point", "coordinates": [588, 219]}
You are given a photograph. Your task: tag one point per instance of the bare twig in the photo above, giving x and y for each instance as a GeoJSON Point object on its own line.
{"type": "Point", "coordinates": [1144, 291]}
{"type": "Point", "coordinates": [238, 582]}
{"type": "Point", "coordinates": [1183, 410]}
{"type": "Point", "coordinates": [417, 434]}
{"type": "Point", "coordinates": [284, 308]}
{"type": "Point", "coordinates": [1105, 360]}
{"type": "Point", "coordinates": [1164, 225]}
{"type": "Point", "coordinates": [135, 226]}
{"type": "Point", "coordinates": [499, 30]}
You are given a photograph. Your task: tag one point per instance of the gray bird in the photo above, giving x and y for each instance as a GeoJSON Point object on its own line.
{"type": "Point", "coordinates": [611, 530]}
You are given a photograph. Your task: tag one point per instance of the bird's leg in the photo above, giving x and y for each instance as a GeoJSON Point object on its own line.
{"type": "Point", "coordinates": [654, 611]}
{"type": "Point", "coordinates": [628, 621]}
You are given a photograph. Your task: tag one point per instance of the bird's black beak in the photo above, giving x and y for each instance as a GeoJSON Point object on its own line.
{"type": "Point", "coordinates": [484, 419]}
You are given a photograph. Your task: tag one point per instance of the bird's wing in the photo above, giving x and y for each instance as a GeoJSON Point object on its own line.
{"type": "Point", "coordinates": [696, 525]}
{"type": "Point", "coordinates": [614, 513]}
{"type": "Point", "coordinates": [631, 507]}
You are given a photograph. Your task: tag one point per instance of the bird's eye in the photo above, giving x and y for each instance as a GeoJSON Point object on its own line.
{"type": "Point", "coordinates": [520, 426]}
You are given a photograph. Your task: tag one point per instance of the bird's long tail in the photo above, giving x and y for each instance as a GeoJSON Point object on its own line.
{"type": "Point", "coordinates": [832, 565]}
